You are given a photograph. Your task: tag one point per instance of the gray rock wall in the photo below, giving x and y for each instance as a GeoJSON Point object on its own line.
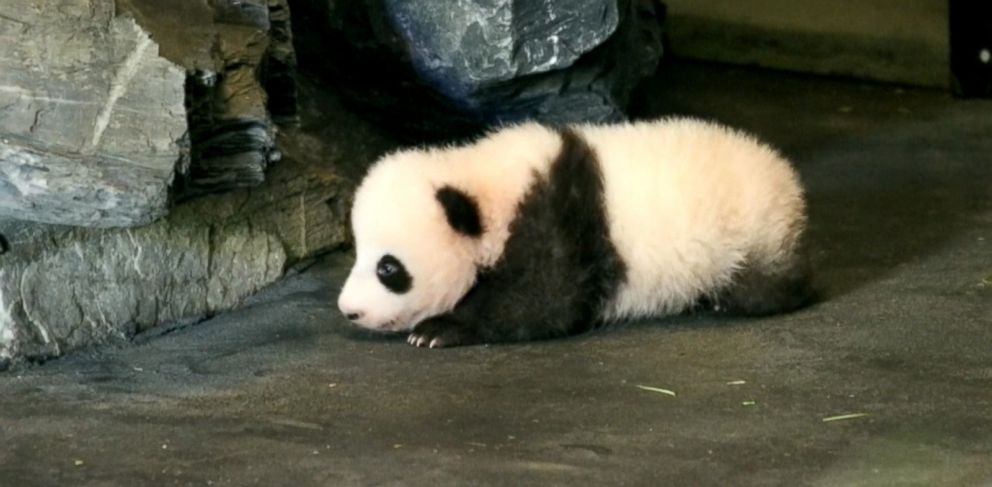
{"type": "Point", "coordinates": [92, 119]}
{"type": "Point", "coordinates": [64, 288]}
{"type": "Point", "coordinates": [92, 134]}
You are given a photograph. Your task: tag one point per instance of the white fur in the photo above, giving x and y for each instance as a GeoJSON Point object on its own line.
{"type": "Point", "coordinates": [687, 203]}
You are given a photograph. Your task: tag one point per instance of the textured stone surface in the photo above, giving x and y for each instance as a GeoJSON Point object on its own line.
{"type": "Point", "coordinates": [431, 69]}
{"type": "Point", "coordinates": [92, 123]}
{"type": "Point", "coordinates": [463, 45]}
{"type": "Point", "coordinates": [62, 289]}
{"type": "Point", "coordinates": [234, 50]}
{"type": "Point", "coordinates": [65, 287]}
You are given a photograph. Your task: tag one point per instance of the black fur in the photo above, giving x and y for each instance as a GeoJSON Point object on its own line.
{"type": "Point", "coordinates": [758, 292]}
{"type": "Point", "coordinates": [461, 210]}
{"type": "Point", "coordinates": [393, 274]}
{"type": "Point", "coordinates": [558, 268]}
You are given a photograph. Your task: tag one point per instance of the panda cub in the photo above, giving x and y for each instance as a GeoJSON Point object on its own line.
{"type": "Point", "coordinates": [536, 232]}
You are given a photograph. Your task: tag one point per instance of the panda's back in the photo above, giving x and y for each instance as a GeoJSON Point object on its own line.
{"type": "Point", "coordinates": [688, 203]}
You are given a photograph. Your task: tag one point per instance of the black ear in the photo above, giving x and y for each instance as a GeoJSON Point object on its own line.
{"type": "Point", "coordinates": [461, 210]}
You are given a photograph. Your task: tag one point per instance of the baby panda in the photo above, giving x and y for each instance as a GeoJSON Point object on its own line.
{"type": "Point", "coordinates": [534, 232]}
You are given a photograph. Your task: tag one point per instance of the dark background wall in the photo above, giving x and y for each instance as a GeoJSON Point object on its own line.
{"type": "Point", "coordinates": [903, 41]}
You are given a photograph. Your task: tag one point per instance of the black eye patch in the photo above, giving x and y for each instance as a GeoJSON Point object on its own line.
{"type": "Point", "coordinates": [393, 274]}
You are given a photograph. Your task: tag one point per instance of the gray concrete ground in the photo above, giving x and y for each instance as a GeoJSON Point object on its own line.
{"type": "Point", "coordinates": [283, 392]}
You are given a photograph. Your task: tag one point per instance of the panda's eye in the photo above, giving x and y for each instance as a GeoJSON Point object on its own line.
{"type": "Point", "coordinates": [392, 274]}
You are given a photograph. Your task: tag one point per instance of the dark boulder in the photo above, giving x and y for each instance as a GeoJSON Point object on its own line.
{"type": "Point", "coordinates": [441, 69]}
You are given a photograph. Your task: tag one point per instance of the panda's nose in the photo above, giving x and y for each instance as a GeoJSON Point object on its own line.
{"type": "Point", "coordinates": [347, 305]}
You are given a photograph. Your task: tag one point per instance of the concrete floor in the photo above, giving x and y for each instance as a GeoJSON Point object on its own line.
{"type": "Point", "coordinates": [283, 392]}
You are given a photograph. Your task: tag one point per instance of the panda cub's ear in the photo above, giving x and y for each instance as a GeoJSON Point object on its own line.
{"type": "Point", "coordinates": [461, 210]}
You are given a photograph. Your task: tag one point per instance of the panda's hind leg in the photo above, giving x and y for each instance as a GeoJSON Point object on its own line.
{"type": "Point", "coordinates": [758, 290]}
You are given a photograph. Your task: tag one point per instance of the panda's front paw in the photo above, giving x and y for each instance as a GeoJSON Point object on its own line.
{"type": "Point", "coordinates": [441, 332]}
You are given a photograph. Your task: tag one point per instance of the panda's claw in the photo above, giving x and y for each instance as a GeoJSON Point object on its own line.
{"type": "Point", "coordinates": [424, 341]}
{"type": "Point", "coordinates": [443, 332]}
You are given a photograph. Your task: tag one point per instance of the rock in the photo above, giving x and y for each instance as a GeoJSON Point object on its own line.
{"type": "Point", "coordinates": [462, 46]}
{"type": "Point", "coordinates": [234, 50]}
{"type": "Point", "coordinates": [92, 122]}
{"type": "Point", "coordinates": [447, 69]}
{"type": "Point", "coordinates": [66, 288]}
{"type": "Point", "coordinates": [94, 125]}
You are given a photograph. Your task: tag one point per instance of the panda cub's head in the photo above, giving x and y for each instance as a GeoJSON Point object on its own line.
{"type": "Point", "coordinates": [416, 242]}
